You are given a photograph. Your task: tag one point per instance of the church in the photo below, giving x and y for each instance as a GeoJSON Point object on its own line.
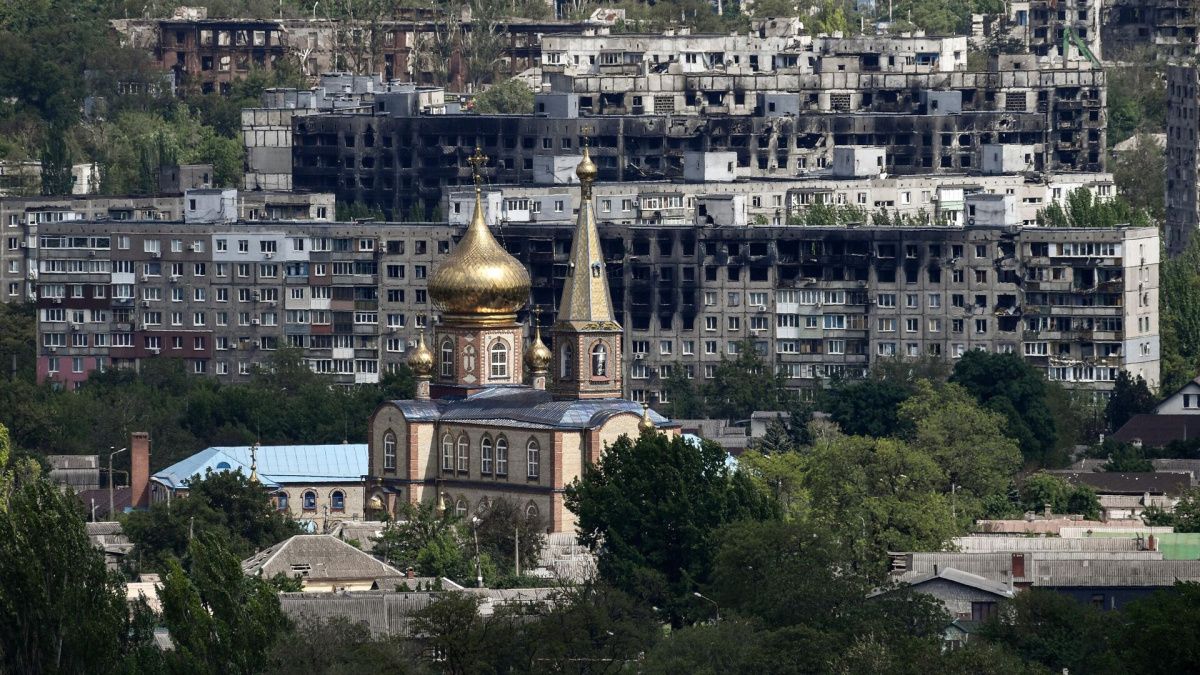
{"type": "Point", "coordinates": [479, 429]}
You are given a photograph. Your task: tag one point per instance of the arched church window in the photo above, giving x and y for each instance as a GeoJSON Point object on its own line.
{"type": "Point", "coordinates": [499, 359]}
{"type": "Point", "coordinates": [599, 360]}
{"type": "Point", "coordinates": [447, 360]}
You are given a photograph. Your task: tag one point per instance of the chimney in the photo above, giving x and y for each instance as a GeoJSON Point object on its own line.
{"type": "Point", "coordinates": [139, 469]}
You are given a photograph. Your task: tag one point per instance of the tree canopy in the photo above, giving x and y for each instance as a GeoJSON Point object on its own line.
{"type": "Point", "coordinates": [650, 510]}
{"type": "Point", "coordinates": [1008, 385]}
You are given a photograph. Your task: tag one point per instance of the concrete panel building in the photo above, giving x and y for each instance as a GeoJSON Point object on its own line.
{"type": "Point", "coordinates": [1080, 304]}
{"type": "Point", "coordinates": [1182, 196]}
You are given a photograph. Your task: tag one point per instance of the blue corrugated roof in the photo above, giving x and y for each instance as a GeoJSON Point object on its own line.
{"type": "Point", "coordinates": [523, 405]}
{"type": "Point", "coordinates": [277, 464]}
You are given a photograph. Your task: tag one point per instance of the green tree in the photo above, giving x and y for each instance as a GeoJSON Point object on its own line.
{"type": "Point", "coordinates": [782, 474]}
{"type": "Point", "coordinates": [502, 526]}
{"type": "Point", "coordinates": [744, 384]}
{"type": "Point", "coordinates": [509, 97]}
{"type": "Point", "coordinates": [1126, 457]}
{"type": "Point", "coordinates": [1155, 635]}
{"type": "Point", "coordinates": [220, 620]}
{"type": "Point", "coordinates": [223, 503]}
{"type": "Point", "coordinates": [1044, 489]}
{"type": "Point", "coordinates": [1179, 293]}
{"type": "Point", "coordinates": [61, 610]}
{"type": "Point", "coordinates": [1185, 517]}
{"type": "Point", "coordinates": [458, 640]}
{"type": "Point", "coordinates": [1007, 384]}
{"type": "Point", "coordinates": [967, 441]}
{"type": "Point", "coordinates": [1130, 396]}
{"type": "Point", "coordinates": [331, 646]}
{"type": "Point", "coordinates": [1085, 210]}
{"type": "Point", "coordinates": [1140, 175]}
{"type": "Point", "coordinates": [56, 163]}
{"type": "Point", "coordinates": [591, 624]}
{"type": "Point", "coordinates": [865, 407]}
{"type": "Point", "coordinates": [685, 402]}
{"type": "Point", "coordinates": [1054, 630]}
{"type": "Point", "coordinates": [882, 494]}
{"type": "Point", "coordinates": [649, 510]}
{"type": "Point", "coordinates": [424, 540]}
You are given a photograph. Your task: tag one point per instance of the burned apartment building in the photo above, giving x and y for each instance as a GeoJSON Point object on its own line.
{"type": "Point", "coordinates": [1047, 27]}
{"type": "Point", "coordinates": [853, 190]}
{"type": "Point", "coordinates": [1166, 29]}
{"type": "Point", "coordinates": [214, 53]}
{"type": "Point", "coordinates": [1182, 189]}
{"type": "Point", "coordinates": [934, 122]}
{"type": "Point", "coordinates": [816, 302]}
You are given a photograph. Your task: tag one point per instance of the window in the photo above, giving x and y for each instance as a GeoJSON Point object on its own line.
{"type": "Point", "coordinates": [281, 501]}
{"type": "Point", "coordinates": [566, 356]}
{"type": "Point", "coordinates": [447, 453]}
{"type": "Point", "coordinates": [982, 611]}
{"type": "Point", "coordinates": [485, 455]}
{"type": "Point", "coordinates": [337, 500]}
{"type": "Point", "coordinates": [460, 508]}
{"type": "Point", "coordinates": [499, 353]}
{"type": "Point", "coordinates": [447, 358]}
{"type": "Point", "coordinates": [389, 451]}
{"type": "Point", "coordinates": [310, 500]}
{"type": "Point", "coordinates": [501, 456]}
{"type": "Point", "coordinates": [464, 448]}
{"type": "Point", "coordinates": [533, 454]}
{"type": "Point", "coordinates": [599, 360]}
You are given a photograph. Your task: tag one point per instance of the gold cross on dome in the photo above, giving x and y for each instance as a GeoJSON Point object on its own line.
{"type": "Point", "coordinates": [537, 315]}
{"type": "Point", "coordinates": [587, 131]}
{"type": "Point", "coordinates": [477, 162]}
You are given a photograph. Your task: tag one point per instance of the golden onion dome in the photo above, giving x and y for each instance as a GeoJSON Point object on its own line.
{"type": "Point", "coordinates": [479, 280]}
{"type": "Point", "coordinates": [538, 356]}
{"type": "Point", "coordinates": [646, 424]}
{"type": "Point", "coordinates": [586, 171]}
{"type": "Point", "coordinates": [420, 359]}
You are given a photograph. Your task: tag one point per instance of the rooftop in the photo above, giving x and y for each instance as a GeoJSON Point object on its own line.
{"type": "Point", "coordinates": [525, 407]}
{"type": "Point", "coordinates": [1155, 431]}
{"type": "Point", "coordinates": [318, 557]}
{"type": "Point", "coordinates": [1129, 482]}
{"type": "Point", "coordinates": [277, 464]}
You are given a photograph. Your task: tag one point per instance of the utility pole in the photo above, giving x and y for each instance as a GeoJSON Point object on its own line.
{"type": "Point", "coordinates": [114, 453]}
{"type": "Point", "coordinates": [517, 548]}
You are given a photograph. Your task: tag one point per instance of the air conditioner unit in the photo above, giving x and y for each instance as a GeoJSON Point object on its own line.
{"type": "Point", "coordinates": [74, 327]}
{"type": "Point", "coordinates": [57, 301]}
{"type": "Point", "coordinates": [23, 245]}
{"type": "Point", "coordinates": [156, 254]}
{"type": "Point", "coordinates": [270, 303]}
{"type": "Point", "coordinates": [52, 350]}
{"type": "Point", "coordinates": [174, 278]}
{"type": "Point", "coordinates": [192, 247]}
{"type": "Point", "coordinates": [145, 303]}
{"type": "Point", "coordinates": [257, 344]}
{"type": "Point", "coordinates": [254, 322]}
{"type": "Point", "coordinates": [639, 357]}
{"type": "Point", "coordinates": [91, 254]}
{"type": "Point", "coordinates": [268, 256]}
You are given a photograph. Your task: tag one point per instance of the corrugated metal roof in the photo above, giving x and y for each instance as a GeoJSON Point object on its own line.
{"type": "Point", "coordinates": [998, 543]}
{"type": "Point", "coordinates": [324, 557]}
{"type": "Point", "coordinates": [523, 406]}
{"type": "Point", "coordinates": [277, 464]}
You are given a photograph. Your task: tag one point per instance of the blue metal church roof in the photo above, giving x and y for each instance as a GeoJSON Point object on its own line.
{"type": "Point", "coordinates": [277, 464]}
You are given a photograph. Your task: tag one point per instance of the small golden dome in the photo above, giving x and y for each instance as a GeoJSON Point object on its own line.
{"type": "Point", "coordinates": [479, 280]}
{"type": "Point", "coordinates": [646, 424]}
{"type": "Point", "coordinates": [375, 503]}
{"type": "Point", "coordinates": [538, 356]}
{"type": "Point", "coordinates": [586, 171]}
{"type": "Point", "coordinates": [420, 360]}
